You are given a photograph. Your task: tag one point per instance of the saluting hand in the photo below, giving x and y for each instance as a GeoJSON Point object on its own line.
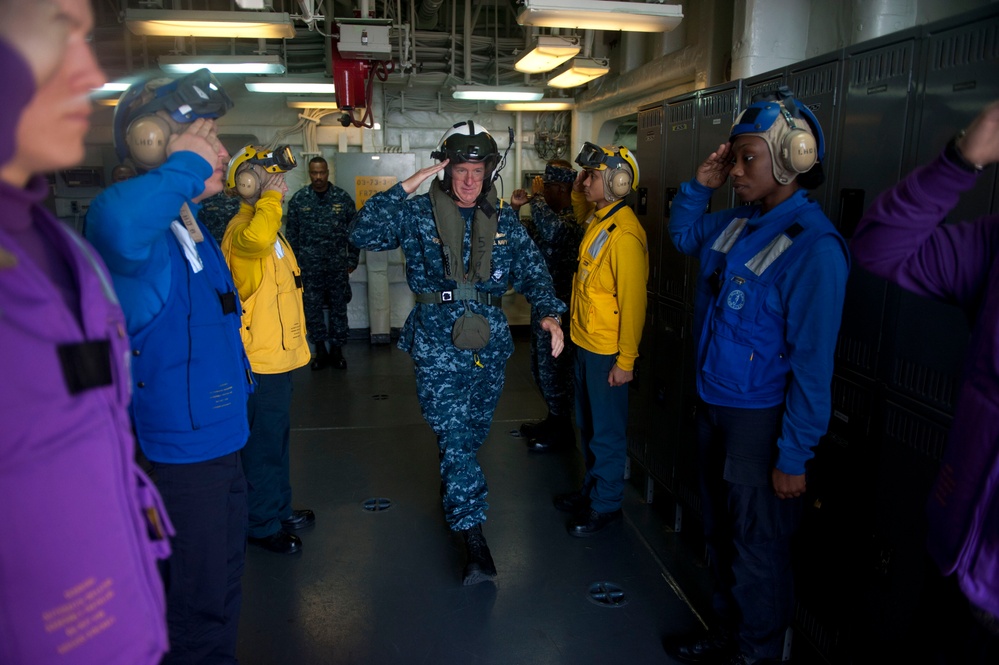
{"type": "Point", "coordinates": [413, 182]}
{"type": "Point", "coordinates": [713, 171]}
{"type": "Point", "coordinates": [200, 137]}
{"type": "Point", "coordinates": [538, 185]}
{"type": "Point", "coordinates": [274, 182]}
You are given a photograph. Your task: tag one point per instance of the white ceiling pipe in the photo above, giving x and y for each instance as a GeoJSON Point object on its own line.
{"type": "Point", "coordinates": [767, 35]}
{"type": "Point", "coordinates": [874, 18]}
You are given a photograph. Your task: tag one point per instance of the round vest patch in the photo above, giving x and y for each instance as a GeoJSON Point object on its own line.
{"type": "Point", "coordinates": [736, 300]}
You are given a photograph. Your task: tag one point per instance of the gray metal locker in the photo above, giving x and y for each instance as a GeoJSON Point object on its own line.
{"type": "Point", "coordinates": [925, 340]}
{"type": "Point", "coordinates": [678, 167]}
{"type": "Point", "coordinates": [649, 206]}
{"type": "Point", "coordinates": [761, 84]}
{"type": "Point", "coordinates": [817, 84]}
{"type": "Point", "coordinates": [877, 105]}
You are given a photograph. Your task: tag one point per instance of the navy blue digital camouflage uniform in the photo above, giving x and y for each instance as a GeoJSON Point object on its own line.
{"type": "Point", "coordinates": [557, 237]}
{"type": "Point", "coordinates": [458, 389]}
{"type": "Point", "coordinates": [318, 228]}
{"type": "Point", "coordinates": [216, 212]}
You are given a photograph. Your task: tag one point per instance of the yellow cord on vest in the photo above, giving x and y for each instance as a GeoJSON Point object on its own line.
{"type": "Point", "coordinates": [478, 363]}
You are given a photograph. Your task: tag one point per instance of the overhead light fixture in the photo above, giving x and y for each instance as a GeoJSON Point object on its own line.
{"type": "Point", "coordinates": [600, 15]}
{"type": "Point", "coordinates": [579, 71]}
{"type": "Point", "coordinates": [311, 103]}
{"type": "Point", "coordinates": [505, 93]}
{"type": "Point", "coordinates": [549, 52]}
{"type": "Point", "coordinates": [292, 85]}
{"type": "Point", "coordinates": [545, 104]}
{"type": "Point", "coordinates": [222, 64]}
{"type": "Point", "coordinates": [197, 23]}
{"type": "Point", "coordinates": [113, 86]}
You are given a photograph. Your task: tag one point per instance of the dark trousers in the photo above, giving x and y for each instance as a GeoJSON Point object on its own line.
{"type": "Point", "coordinates": [329, 289]}
{"type": "Point", "coordinates": [458, 404]}
{"type": "Point", "coordinates": [266, 456]}
{"type": "Point", "coordinates": [206, 502]}
{"type": "Point", "coordinates": [602, 416]}
{"type": "Point", "coordinates": [554, 376]}
{"type": "Point", "coordinates": [747, 528]}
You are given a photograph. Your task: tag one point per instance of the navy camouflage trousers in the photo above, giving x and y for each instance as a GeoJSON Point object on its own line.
{"type": "Point", "coordinates": [458, 404]}
{"type": "Point", "coordinates": [326, 289]}
{"type": "Point", "coordinates": [553, 376]}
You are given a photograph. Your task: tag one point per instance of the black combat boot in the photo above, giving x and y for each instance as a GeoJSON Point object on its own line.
{"type": "Point", "coordinates": [321, 358]}
{"type": "Point", "coordinates": [336, 357]}
{"type": "Point", "coordinates": [557, 435]}
{"type": "Point", "coordinates": [480, 566]}
{"type": "Point", "coordinates": [536, 428]}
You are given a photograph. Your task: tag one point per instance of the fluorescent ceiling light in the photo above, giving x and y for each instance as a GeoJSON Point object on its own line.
{"type": "Point", "coordinates": [505, 93]}
{"type": "Point", "coordinates": [196, 23]}
{"type": "Point", "coordinates": [549, 52]}
{"type": "Point", "coordinates": [579, 71]}
{"type": "Point", "coordinates": [293, 85]}
{"type": "Point", "coordinates": [600, 15]}
{"type": "Point", "coordinates": [311, 103]}
{"type": "Point", "coordinates": [113, 86]}
{"type": "Point", "coordinates": [222, 64]}
{"type": "Point", "coordinates": [545, 104]}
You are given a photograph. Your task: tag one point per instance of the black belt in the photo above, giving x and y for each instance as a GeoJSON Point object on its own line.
{"type": "Point", "coordinates": [444, 297]}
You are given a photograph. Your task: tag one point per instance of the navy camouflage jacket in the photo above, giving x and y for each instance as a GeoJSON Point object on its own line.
{"type": "Point", "coordinates": [389, 219]}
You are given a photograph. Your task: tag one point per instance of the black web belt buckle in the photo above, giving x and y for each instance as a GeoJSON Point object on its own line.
{"type": "Point", "coordinates": [447, 296]}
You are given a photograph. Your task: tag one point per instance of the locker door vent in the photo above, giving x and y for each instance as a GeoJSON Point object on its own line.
{"type": "Point", "coordinates": [681, 112]}
{"type": "Point", "coordinates": [718, 104]}
{"type": "Point", "coordinates": [826, 638]}
{"type": "Point", "coordinates": [855, 352]}
{"type": "Point", "coordinates": [816, 82]}
{"type": "Point", "coordinates": [975, 45]}
{"type": "Point", "coordinates": [933, 386]}
{"type": "Point", "coordinates": [650, 118]}
{"type": "Point", "coordinates": [763, 89]}
{"type": "Point", "coordinates": [688, 496]}
{"type": "Point", "coordinates": [881, 65]}
{"type": "Point", "coordinates": [921, 436]}
{"type": "Point", "coordinates": [854, 403]}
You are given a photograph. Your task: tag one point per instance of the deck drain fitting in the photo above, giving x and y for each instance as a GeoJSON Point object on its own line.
{"type": "Point", "coordinates": [377, 504]}
{"type": "Point", "coordinates": [607, 594]}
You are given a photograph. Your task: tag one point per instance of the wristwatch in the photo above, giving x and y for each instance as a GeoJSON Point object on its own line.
{"type": "Point", "coordinates": [558, 319]}
{"type": "Point", "coordinates": [954, 154]}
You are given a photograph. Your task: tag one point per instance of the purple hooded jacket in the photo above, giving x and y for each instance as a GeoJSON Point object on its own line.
{"type": "Point", "coordinates": [902, 238]}
{"type": "Point", "coordinates": [78, 577]}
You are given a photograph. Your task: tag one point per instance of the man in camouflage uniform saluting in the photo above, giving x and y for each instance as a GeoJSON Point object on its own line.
{"type": "Point", "coordinates": [317, 227]}
{"type": "Point", "coordinates": [557, 235]}
{"type": "Point", "coordinates": [463, 249]}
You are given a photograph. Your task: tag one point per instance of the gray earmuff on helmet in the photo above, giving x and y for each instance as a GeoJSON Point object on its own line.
{"type": "Point", "coordinates": [151, 111]}
{"type": "Point", "coordinates": [790, 130]}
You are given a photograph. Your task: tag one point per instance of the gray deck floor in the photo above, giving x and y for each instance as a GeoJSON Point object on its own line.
{"type": "Point", "coordinates": [377, 587]}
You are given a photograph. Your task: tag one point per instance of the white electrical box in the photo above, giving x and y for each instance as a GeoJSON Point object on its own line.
{"type": "Point", "coordinates": [361, 41]}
